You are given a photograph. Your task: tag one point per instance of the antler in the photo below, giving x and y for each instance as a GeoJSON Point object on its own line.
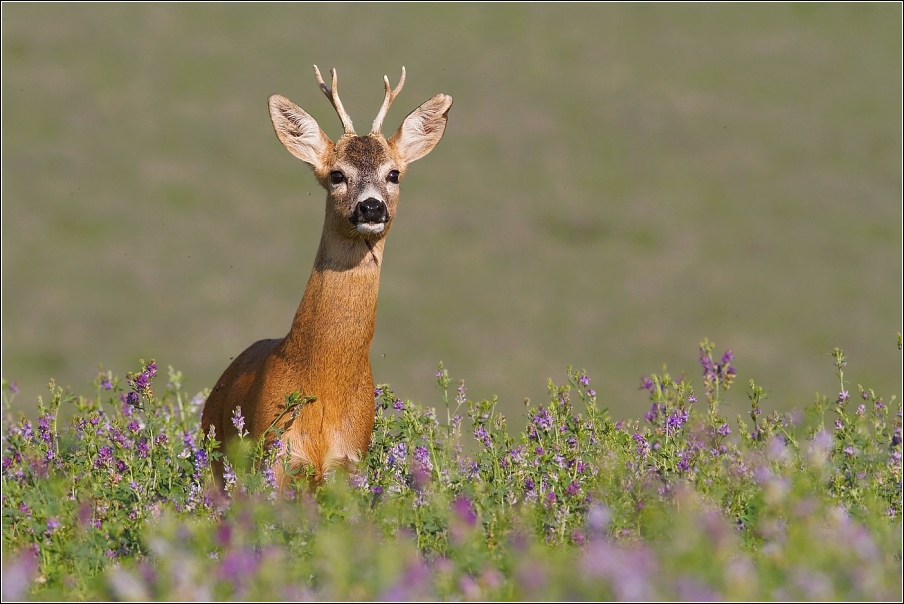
{"type": "Point", "coordinates": [387, 101]}
{"type": "Point", "coordinates": [333, 96]}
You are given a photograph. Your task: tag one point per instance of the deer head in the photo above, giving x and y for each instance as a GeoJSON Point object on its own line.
{"type": "Point", "coordinates": [361, 174]}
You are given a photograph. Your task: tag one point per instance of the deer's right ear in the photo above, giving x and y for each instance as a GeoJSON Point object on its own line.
{"type": "Point", "coordinates": [298, 131]}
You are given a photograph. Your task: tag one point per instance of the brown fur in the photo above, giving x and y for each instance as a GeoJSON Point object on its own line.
{"type": "Point", "coordinates": [326, 352]}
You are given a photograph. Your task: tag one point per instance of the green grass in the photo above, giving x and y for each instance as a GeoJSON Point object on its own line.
{"type": "Point", "coordinates": [615, 182]}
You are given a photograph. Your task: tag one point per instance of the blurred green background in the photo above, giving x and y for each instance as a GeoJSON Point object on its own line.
{"type": "Point", "coordinates": [615, 183]}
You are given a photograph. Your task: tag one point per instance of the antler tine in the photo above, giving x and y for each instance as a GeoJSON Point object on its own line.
{"type": "Point", "coordinates": [387, 101]}
{"type": "Point", "coordinates": [333, 96]}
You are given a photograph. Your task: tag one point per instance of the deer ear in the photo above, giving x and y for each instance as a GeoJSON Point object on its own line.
{"type": "Point", "coordinates": [422, 129]}
{"type": "Point", "coordinates": [298, 131]}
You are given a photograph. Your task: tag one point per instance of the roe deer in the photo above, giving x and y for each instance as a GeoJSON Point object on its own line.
{"type": "Point", "coordinates": [326, 352]}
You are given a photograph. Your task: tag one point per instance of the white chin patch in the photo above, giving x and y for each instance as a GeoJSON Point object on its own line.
{"type": "Point", "coordinates": [370, 228]}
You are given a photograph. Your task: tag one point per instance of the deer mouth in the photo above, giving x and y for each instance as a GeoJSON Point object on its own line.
{"type": "Point", "coordinates": [370, 228]}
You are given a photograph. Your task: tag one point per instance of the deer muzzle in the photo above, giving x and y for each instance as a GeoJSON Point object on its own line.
{"type": "Point", "coordinates": [370, 216]}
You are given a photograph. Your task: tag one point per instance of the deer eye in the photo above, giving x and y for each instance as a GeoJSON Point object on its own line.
{"type": "Point", "coordinates": [337, 177]}
{"type": "Point", "coordinates": [393, 177]}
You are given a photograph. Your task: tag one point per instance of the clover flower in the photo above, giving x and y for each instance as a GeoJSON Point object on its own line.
{"type": "Point", "coordinates": [143, 448]}
{"type": "Point", "coordinates": [104, 456]}
{"type": "Point", "coordinates": [44, 429]}
{"type": "Point", "coordinates": [542, 419]}
{"type": "Point", "coordinates": [52, 525]}
{"type": "Point", "coordinates": [483, 436]}
{"type": "Point", "coordinates": [676, 420]}
{"type": "Point", "coordinates": [238, 420]}
{"type": "Point", "coordinates": [397, 454]}
{"type": "Point", "coordinates": [422, 456]}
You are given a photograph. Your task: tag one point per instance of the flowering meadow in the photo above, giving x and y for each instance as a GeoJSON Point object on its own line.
{"type": "Point", "coordinates": [684, 503]}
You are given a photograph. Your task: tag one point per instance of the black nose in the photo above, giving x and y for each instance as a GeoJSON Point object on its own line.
{"type": "Point", "coordinates": [371, 210]}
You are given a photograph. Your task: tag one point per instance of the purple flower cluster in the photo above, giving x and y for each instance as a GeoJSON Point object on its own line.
{"type": "Point", "coordinates": [716, 374]}
{"type": "Point", "coordinates": [141, 384]}
{"type": "Point", "coordinates": [483, 436]}
{"type": "Point", "coordinates": [676, 421]}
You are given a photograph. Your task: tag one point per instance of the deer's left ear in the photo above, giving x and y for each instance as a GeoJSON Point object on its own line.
{"type": "Point", "coordinates": [422, 129]}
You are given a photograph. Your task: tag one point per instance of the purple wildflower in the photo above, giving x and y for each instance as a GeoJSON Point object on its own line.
{"type": "Point", "coordinates": [584, 380]}
{"type": "Point", "coordinates": [104, 455]}
{"type": "Point", "coordinates": [398, 404]}
{"type": "Point", "coordinates": [270, 478]}
{"type": "Point", "coordinates": [843, 397]}
{"type": "Point", "coordinates": [133, 426]}
{"type": "Point", "coordinates": [44, 429]}
{"type": "Point", "coordinates": [132, 399]}
{"type": "Point", "coordinates": [52, 524]}
{"type": "Point", "coordinates": [14, 387]}
{"type": "Point", "coordinates": [647, 384]}
{"type": "Point", "coordinates": [709, 369]}
{"type": "Point", "coordinates": [397, 454]}
{"type": "Point", "coordinates": [692, 399]}
{"type": "Point", "coordinates": [151, 369]}
{"type": "Point", "coordinates": [676, 420]}
{"type": "Point", "coordinates": [143, 448]}
{"type": "Point", "coordinates": [238, 420]}
{"type": "Point", "coordinates": [422, 456]}
{"type": "Point", "coordinates": [724, 430]}
{"type": "Point", "coordinates": [464, 511]}
{"type": "Point", "coordinates": [542, 419]}
{"type": "Point", "coordinates": [200, 458]}
{"type": "Point", "coordinates": [483, 436]}
{"type": "Point", "coordinates": [860, 410]}
{"type": "Point", "coordinates": [377, 392]}
{"type": "Point", "coordinates": [462, 395]}
{"type": "Point", "coordinates": [529, 484]}
{"type": "Point", "coordinates": [643, 447]}
{"type": "Point", "coordinates": [573, 489]}
{"type": "Point", "coordinates": [839, 425]}
{"type": "Point", "coordinates": [849, 451]}
{"type": "Point", "coordinates": [141, 381]}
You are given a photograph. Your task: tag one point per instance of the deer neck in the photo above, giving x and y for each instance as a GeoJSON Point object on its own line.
{"type": "Point", "coordinates": [334, 324]}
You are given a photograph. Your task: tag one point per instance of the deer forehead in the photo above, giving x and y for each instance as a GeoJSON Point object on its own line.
{"type": "Point", "coordinates": [366, 155]}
